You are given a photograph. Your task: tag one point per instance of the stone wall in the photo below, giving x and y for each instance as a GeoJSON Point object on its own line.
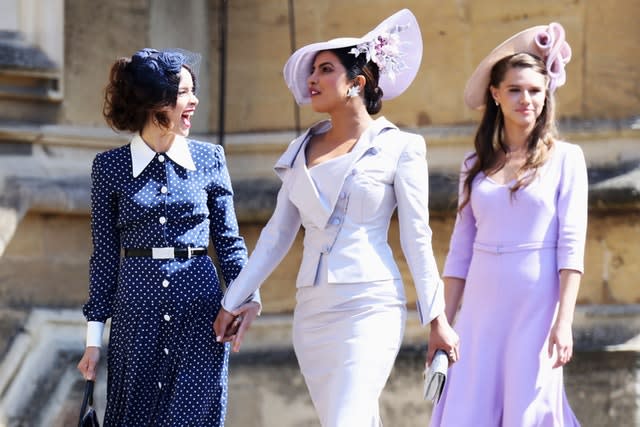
{"type": "Point", "coordinates": [601, 82]}
{"type": "Point", "coordinates": [46, 262]}
{"type": "Point", "coordinates": [46, 150]}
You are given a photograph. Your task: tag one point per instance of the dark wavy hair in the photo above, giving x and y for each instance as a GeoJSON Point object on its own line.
{"type": "Point", "coordinates": [142, 86]}
{"type": "Point", "coordinates": [489, 139]}
{"type": "Point", "coordinates": [358, 65]}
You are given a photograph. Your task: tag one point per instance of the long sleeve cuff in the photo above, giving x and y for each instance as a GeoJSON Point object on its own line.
{"type": "Point", "coordinates": [255, 297]}
{"type": "Point", "coordinates": [430, 309]}
{"type": "Point", "coordinates": [94, 333]}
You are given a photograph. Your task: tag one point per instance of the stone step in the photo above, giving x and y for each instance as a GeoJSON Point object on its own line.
{"type": "Point", "coordinates": [40, 386]}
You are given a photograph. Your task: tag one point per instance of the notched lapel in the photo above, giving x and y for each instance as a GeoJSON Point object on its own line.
{"type": "Point", "coordinates": [302, 190]}
{"type": "Point", "coordinates": [304, 194]}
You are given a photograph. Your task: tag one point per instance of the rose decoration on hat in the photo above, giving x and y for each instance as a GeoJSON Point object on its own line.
{"type": "Point", "coordinates": [557, 53]}
{"type": "Point", "coordinates": [171, 62]}
{"type": "Point", "coordinates": [384, 51]}
{"type": "Point", "coordinates": [544, 41]}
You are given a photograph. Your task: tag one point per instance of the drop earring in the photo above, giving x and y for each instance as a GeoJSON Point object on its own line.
{"type": "Point", "coordinates": [353, 91]}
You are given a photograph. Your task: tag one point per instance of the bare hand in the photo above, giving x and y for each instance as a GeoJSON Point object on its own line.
{"type": "Point", "coordinates": [562, 338]}
{"type": "Point", "coordinates": [89, 362]}
{"type": "Point", "coordinates": [223, 326]}
{"type": "Point", "coordinates": [231, 326]}
{"type": "Point", "coordinates": [247, 314]}
{"type": "Point", "coordinates": [443, 337]}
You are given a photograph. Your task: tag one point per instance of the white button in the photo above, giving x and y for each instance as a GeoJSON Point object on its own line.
{"type": "Point", "coordinates": [161, 158]}
{"type": "Point", "coordinates": [167, 317]}
{"type": "Point", "coordinates": [164, 190]}
{"type": "Point", "coordinates": [343, 195]}
{"type": "Point", "coordinates": [336, 221]}
{"type": "Point", "coordinates": [165, 283]}
{"type": "Point", "coordinates": [353, 172]}
{"type": "Point", "coordinates": [162, 220]}
{"type": "Point", "coordinates": [159, 384]}
{"type": "Point", "coordinates": [166, 351]}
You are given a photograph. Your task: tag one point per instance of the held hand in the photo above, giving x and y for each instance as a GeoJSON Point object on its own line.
{"type": "Point", "coordinates": [562, 338]}
{"type": "Point", "coordinates": [223, 326]}
{"type": "Point", "coordinates": [247, 314]}
{"type": "Point", "coordinates": [443, 337]}
{"type": "Point", "coordinates": [89, 362]}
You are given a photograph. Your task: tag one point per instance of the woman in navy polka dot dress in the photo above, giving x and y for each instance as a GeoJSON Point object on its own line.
{"type": "Point", "coordinates": [156, 203]}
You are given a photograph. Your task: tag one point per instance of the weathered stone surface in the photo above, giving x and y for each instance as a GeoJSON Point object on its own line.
{"type": "Point", "coordinates": [44, 225]}
{"type": "Point", "coordinates": [96, 34]}
{"type": "Point", "coordinates": [456, 35]}
{"type": "Point", "coordinates": [39, 385]}
{"type": "Point", "coordinates": [16, 53]}
{"type": "Point", "coordinates": [11, 322]}
{"type": "Point", "coordinates": [611, 83]}
{"type": "Point", "coordinates": [46, 260]}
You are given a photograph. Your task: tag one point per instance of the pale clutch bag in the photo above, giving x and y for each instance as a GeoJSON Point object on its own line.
{"type": "Point", "coordinates": [435, 377]}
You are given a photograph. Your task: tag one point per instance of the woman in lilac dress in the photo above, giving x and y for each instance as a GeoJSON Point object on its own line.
{"type": "Point", "coordinates": [516, 252]}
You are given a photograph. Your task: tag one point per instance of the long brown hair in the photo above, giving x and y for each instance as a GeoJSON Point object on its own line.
{"type": "Point", "coordinates": [489, 139]}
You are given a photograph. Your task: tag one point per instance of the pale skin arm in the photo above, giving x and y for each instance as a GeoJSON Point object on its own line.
{"type": "Point", "coordinates": [442, 335]}
{"type": "Point", "coordinates": [561, 335]}
{"type": "Point", "coordinates": [453, 290]}
{"type": "Point", "coordinates": [89, 362]}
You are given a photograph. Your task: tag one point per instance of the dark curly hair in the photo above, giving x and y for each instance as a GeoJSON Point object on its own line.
{"type": "Point", "coordinates": [358, 65]}
{"type": "Point", "coordinates": [141, 86]}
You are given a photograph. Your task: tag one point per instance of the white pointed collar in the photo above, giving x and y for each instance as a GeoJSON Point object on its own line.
{"type": "Point", "coordinates": [142, 154]}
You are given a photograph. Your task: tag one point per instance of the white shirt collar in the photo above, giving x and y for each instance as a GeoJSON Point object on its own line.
{"type": "Point", "coordinates": [142, 154]}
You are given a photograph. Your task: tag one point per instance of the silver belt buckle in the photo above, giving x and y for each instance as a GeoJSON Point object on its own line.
{"type": "Point", "coordinates": [189, 252]}
{"type": "Point", "coordinates": [162, 253]}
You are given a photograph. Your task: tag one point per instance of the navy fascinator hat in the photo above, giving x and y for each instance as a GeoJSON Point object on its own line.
{"type": "Point", "coordinates": [158, 72]}
{"type": "Point", "coordinates": [145, 84]}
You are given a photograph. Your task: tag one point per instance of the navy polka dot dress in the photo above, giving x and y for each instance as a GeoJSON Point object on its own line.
{"type": "Point", "coordinates": [164, 366]}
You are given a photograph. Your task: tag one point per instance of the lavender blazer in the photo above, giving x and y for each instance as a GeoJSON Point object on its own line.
{"type": "Point", "coordinates": [349, 226]}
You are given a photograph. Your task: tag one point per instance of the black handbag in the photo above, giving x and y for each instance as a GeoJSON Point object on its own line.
{"type": "Point", "coordinates": [88, 416]}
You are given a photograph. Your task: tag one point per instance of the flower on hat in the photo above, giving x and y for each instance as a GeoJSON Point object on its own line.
{"type": "Point", "coordinates": [384, 51]}
{"type": "Point", "coordinates": [171, 61]}
{"type": "Point", "coordinates": [557, 53]}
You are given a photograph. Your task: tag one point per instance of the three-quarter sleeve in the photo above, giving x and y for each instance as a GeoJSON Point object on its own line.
{"type": "Point", "coordinates": [572, 210]}
{"type": "Point", "coordinates": [273, 244]}
{"type": "Point", "coordinates": [464, 233]}
{"type": "Point", "coordinates": [104, 263]}
{"type": "Point", "coordinates": [411, 186]}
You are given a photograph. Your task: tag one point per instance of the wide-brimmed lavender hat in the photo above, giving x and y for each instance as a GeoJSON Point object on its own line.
{"type": "Point", "coordinates": [545, 41]}
{"type": "Point", "coordinates": [395, 45]}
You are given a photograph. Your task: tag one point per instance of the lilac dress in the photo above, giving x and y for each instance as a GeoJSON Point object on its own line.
{"type": "Point", "coordinates": [510, 250]}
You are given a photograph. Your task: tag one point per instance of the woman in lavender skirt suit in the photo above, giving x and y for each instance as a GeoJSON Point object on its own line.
{"type": "Point", "coordinates": [516, 252]}
{"type": "Point", "coordinates": [342, 180]}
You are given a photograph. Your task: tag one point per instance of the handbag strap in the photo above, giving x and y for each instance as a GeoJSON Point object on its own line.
{"type": "Point", "coordinates": [87, 399]}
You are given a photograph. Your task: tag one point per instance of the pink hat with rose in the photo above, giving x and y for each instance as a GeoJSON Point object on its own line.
{"type": "Point", "coordinates": [544, 41]}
